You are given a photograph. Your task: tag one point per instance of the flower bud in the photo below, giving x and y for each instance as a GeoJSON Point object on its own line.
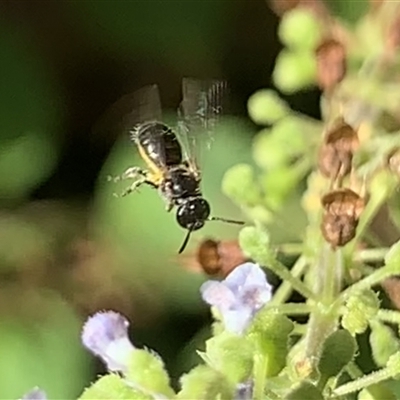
{"type": "Point", "coordinates": [105, 334]}
{"type": "Point", "coordinates": [266, 107]}
{"type": "Point", "coordinates": [294, 71]}
{"type": "Point", "coordinates": [300, 29]}
{"type": "Point", "coordinates": [239, 184]}
{"type": "Point", "coordinates": [360, 308]}
{"type": "Point", "coordinates": [255, 243]}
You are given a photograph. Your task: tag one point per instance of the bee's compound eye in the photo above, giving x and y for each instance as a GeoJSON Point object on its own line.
{"type": "Point", "coordinates": [193, 213]}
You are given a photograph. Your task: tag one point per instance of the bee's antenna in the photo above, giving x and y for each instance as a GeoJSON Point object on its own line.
{"type": "Point", "coordinates": [229, 221]}
{"type": "Point", "coordinates": [186, 241]}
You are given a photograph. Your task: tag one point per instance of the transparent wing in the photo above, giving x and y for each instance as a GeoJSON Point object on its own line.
{"type": "Point", "coordinates": [203, 102]}
{"type": "Point", "coordinates": [131, 110]}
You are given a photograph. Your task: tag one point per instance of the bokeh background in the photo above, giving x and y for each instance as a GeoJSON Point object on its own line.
{"type": "Point", "coordinates": [69, 248]}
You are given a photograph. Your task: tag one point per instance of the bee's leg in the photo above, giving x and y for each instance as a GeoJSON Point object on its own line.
{"type": "Point", "coordinates": [130, 173]}
{"type": "Point", "coordinates": [169, 206]}
{"type": "Point", "coordinates": [135, 185]}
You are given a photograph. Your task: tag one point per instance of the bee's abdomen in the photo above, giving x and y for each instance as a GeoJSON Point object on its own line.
{"type": "Point", "coordinates": [173, 151]}
{"type": "Point", "coordinates": [160, 144]}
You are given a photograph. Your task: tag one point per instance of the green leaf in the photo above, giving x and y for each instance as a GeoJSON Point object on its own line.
{"type": "Point", "coordinates": [337, 351]}
{"type": "Point", "coordinates": [305, 390]}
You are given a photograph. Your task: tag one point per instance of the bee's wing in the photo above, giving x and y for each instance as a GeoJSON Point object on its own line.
{"type": "Point", "coordinates": [131, 110]}
{"type": "Point", "coordinates": [202, 103]}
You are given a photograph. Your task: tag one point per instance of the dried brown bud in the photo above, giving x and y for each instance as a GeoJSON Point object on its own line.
{"type": "Point", "coordinates": [393, 161]}
{"type": "Point", "coordinates": [336, 153]}
{"type": "Point", "coordinates": [343, 208]}
{"type": "Point", "coordinates": [375, 3]}
{"type": "Point", "coordinates": [391, 287]}
{"type": "Point", "coordinates": [281, 6]}
{"type": "Point", "coordinates": [393, 35]}
{"type": "Point", "coordinates": [216, 258]}
{"type": "Point", "coordinates": [331, 63]}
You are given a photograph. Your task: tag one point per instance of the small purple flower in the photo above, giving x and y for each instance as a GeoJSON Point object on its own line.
{"type": "Point", "coordinates": [35, 394]}
{"type": "Point", "coordinates": [105, 334]}
{"type": "Point", "coordinates": [239, 296]}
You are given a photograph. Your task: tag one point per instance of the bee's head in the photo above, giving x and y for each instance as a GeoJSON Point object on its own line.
{"type": "Point", "coordinates": [193, 213]}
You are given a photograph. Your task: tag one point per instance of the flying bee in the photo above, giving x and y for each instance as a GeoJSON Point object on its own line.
{"type": "Point", "coordinates": [170, 153]}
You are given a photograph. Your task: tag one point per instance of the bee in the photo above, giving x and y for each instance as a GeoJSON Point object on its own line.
{"type": "Point", "coordinates": [169, 154]}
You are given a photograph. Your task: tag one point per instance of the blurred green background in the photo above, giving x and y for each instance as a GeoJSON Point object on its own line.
{"type": "Point", "coordinates": [67, 246]}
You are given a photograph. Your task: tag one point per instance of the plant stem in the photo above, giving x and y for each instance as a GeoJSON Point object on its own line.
{"type": "Point", "coordinates": [376, 277]}
{"type": "Point", "coordinates": [279, 269]}
{"type": "Point", "coordinates": [371, 255]}
{"type": "Point", "coordinates": [285, 289]}
{"type": "Point", "coordinates": [260, 370]}
{"type": "Point", "coordinates": [364, 381]}
{"type": "Point", "coordinates": [292, 308]}
{"type": "Point", "coordinates": [323, 320]}
{"type": "Point", "coordinates": [390, 316]}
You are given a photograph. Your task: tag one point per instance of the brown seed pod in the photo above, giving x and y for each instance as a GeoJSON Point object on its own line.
{"type": "Point", "coordinates": [393, 35]}
{"type": "Point", "coordinates": [331, 63]}
{"type": "Point", "coordinates": [343, 208]}
{"type": "Point", "coordinates": [216, 258]}
{"type": "Point", "coordinates": [336, 153]}
{"type": "Point", "coordinates": [279, 7]}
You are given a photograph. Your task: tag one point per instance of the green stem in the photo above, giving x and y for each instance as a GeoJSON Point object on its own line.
{"type": "Point", "coordinates": [365, 381]}
{"type": "Point", "coordinates": [290, 249]}
{"type": "Point", "coordinates": [376, 277]}
{"type": "Point", "coordinates": [327, 278]}
{"type": "Point", "coordinates": [353, 370]}
{"type": "Point", "coordinates": [285, 289]}
{"type": "Point", "coordinates": [260, 370]}
{"type": "Point", "coordinates": [292, 308]}
{"type": "Point", "coordinates": [393, 317]}
{"type": "Point", "coordinates": [371, 255]}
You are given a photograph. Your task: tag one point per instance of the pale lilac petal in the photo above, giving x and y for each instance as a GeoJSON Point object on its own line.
{"type": "Point", "coordinates": [236, 321]}
{"type": "Point", "coordinates": [217, 294]}
{"type": "Point", "coordinates": [35, 394]}
{"type": "Point", "coordinates": [238, 276]}
{"type": "Point", "coordinates": [256, 296]}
